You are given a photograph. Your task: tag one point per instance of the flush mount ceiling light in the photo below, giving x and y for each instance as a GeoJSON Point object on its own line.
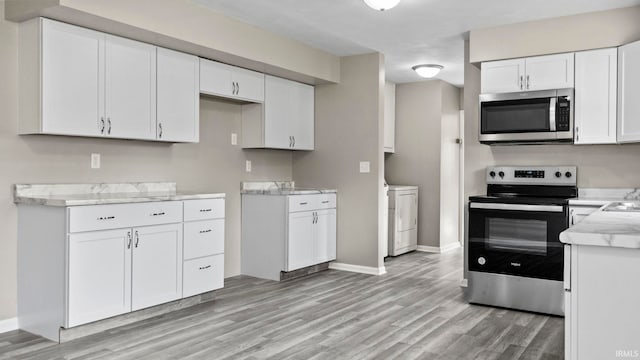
{"type": "Point", "coordinates": [427, 70]}
{"type": "Point", "coordinates": [381, 5]}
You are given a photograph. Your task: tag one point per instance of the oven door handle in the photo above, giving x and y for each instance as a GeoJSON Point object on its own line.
{"type": "Point", "coordinates": [517, 207]}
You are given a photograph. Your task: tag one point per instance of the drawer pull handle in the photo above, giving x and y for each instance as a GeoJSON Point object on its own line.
{"type": "Point", "coordinates": [325, 202]}
{"type": "Point", "coordinates": [303, 203]}
{"type": "Point", "coordinates": [158, 213]}
{"type": "Point", "coordinates": [106, 217]}
{"type": "Point", "coordinates": [204, 267]}
{"type": "Point", "coordinates": [205, 210]}
{"type": "Point", "coordinates": [205, 231]}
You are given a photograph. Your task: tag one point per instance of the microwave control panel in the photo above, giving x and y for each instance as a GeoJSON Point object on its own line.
{"type": "Point", "coordinates": [563, 114]}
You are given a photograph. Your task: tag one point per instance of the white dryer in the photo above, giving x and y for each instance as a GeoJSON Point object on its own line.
{"type": "Point", "coordinates": [403, 219]}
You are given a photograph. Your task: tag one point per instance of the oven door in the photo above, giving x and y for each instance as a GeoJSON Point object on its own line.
{"type": "Point", "coordinates": [517, 239]}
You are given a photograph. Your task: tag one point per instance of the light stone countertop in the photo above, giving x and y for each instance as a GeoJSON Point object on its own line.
{"type": "Point", "coordinates": [606, 228]}
{"type": "Point", "coordinates": [98, 194]}
{"type": "Point", "coordinates": [603, 196]}
{"type": "Point", "coordinates": [279, 188]}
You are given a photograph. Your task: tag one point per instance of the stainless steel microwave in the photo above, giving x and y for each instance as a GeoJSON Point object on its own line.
{"type": "Point", "coordinates": [531, 117]}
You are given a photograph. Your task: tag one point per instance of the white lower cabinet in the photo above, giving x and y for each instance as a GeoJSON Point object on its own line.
{"type": "Point", "coordinates": [82, 264]}
{"type": "Point", "coordinates": [286, 233]}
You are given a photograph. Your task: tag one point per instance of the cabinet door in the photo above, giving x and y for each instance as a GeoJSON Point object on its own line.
{"type": "Point", "coordinates": [99, 275]}
{"type": "Point", "coordinates": [157, 265]}
{"type": "Point", "coordinates": [249, 84]}
{"type": "Point", "coordinates": [325, 235]}
{"type": "Point", "coordinates": [72, 80]}
{"type": "Point", "coordinates": [389, 117]}
{"type": "Point", "coordinates": [216, 79]}
{"type": "Point", "coordinates": [502, 76]}
{"type": "Point", "coordinates": [629, 92]}
{"type": "Point", "coordinates": [278, 132]}
{"type": "Point", "coordinates": [549, 72]}
{"type": "Point", "coordinates": [130, 95]}
{"type": "Point", "coordinates": [595, 96]}
{"type": "Point", "coordinates": [302, 105]}
{"type": "Point", "coordinates": [178, 96]}
{"type": "Point", "coordinates": [300, 244]}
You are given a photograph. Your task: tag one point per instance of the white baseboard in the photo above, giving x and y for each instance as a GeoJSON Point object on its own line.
{"type": "Point", "coordinates": [358, 268]}
{"type": "Point", "coordinates": [439, 250]}
{"type": "Point", "coordinates": [8, 325]}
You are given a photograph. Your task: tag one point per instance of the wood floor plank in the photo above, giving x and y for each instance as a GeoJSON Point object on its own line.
{"type": "Point", "coordinates": [415, 311]}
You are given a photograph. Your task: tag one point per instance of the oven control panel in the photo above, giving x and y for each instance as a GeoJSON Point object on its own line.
{"type": "Point", "coordinates": [530, 175]}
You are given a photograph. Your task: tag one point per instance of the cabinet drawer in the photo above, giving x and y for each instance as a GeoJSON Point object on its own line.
{"type": "Point", "coordinates": [326, 201]}
{"type": "Point", "coordinates": [102, 217]}
{"type": "Point", "coordinates": [203, 209]}
{"type": "Point", "coordinates": [203, 238]}
{"type": "Point", "coordinates": [202, 275]}
{"type": "Point", "coordinates": [302, 202]}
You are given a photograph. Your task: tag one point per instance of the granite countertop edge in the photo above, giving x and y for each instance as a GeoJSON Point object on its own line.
{"type": "Point", "coordinates": [98, 199]}
{"type": "Point", "coordinates": [289, 192]}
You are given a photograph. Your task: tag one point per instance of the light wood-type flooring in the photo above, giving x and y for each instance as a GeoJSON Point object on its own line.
{"type": "Point", "coordinates": [415, 311]}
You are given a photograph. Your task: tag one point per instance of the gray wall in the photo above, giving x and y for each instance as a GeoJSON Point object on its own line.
{"type": "Point", "coordinates": [421, 109]}
{"type": "Point", "coordinates": [211, 165]}
{"type": "Point", "coordinates": [348, 130]}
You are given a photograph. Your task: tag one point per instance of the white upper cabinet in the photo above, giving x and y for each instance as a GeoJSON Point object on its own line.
{"type": "Point", "coordinates": [178, 97]}
{"type": "Point", "coordinates": [502, 76]}
{"type": "Point", "coordinates": [389, 117]}
{"type": "Point", "coordinates": [70, 99]}
{"type": "Point", "coordinates": [80, 82]}
{"type": "Point", "coordinates": [130, 89]}
{"type": "Point", "coordinates": [231, 82]}
{"type": "Point", "coordinates": [528, 74]}
{"type": "Point", "coordinates": [629, 92]}
{"type": "Point", "coordinates": [595, 96]}
{"type": "Point", "coordinates": [284, 121]}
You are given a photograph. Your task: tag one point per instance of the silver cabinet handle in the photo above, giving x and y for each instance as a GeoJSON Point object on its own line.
{"type": "Point", "coordinates": [521, 82]}
{"type": "Point", "coordinates": [205, 210]}
{"type": "Point", "coordinates": [577, 133]}
{"type": "Point", "coordinates": [137, 238]}
{"type": "Point", "coordinates": [205, 231]}
{"type": "Point", "coordinates": [294, 140]}
{"type": "Point", "coordinates": [160, 129]}
{"type": "Point", "coordinates": [158, 213]}
{"type": "Point", "coordinates": [233, 87]}
{"type": "Point", "coordinates": [106, 218]}
{"type": "Point", "coordinates": [325, 202]}
{"type": "Point", "coordinates": [528, 82]}
{"type": "Point", "coordinates": [204, 267]}
{"type": "Point", "coordinates": [238, 87]}
{"type": "Point", "coordinates": [129, 237]}
{"type": "Point", "coordinates": [290, 141]}
{"type": "Point", "coordinates": [102, 125]}
{"type": "Point", "coordinates": [571, 216]}
{"type": "Point", "coordinates": [303, 203]}
{"type": "Point", "coordinates": [109, 128]}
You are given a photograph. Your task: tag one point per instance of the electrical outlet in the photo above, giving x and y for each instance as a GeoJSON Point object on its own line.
{"type": "Point", "coordinates": [248, 165]}
{"type": "Point", "coordinates": [95, 161]}
{"type": "Point", "coordinates": [365, 167]}
{"type": "Point", "coordinates": [234, 139]}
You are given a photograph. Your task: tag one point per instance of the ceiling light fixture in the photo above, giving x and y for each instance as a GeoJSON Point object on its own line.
{"type": "Point", "coordinates": [381, 5]}
{"type": "Point", "coordinates": [427, 70]}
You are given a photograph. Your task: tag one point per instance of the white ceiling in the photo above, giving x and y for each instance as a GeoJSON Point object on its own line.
{"type": "Point", "coordinates": [414, 32]}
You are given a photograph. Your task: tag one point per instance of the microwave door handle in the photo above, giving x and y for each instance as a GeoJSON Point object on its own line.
{"type": "Point", "coordinates": [517, 207]}
{"type": "Point", "coordinates": [552, 114]}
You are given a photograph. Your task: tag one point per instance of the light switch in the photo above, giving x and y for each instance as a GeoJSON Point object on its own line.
{"type": "Point", "coordinates": [95, 161]}
{"type": "Point", "coordinates": [234, 139]}
{"type": "Point", "coordinates": [365, 167]}
{"type": "Point", "coordinates": [248, 165]}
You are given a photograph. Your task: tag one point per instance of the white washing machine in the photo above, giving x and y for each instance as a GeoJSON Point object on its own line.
{"type": "Point", "coordinates": [403, 219]}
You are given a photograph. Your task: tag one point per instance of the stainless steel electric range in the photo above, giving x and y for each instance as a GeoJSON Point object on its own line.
{"type": "Point", "coordinates": [515, 256]}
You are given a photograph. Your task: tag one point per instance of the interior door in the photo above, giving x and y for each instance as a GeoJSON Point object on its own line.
{"type": "Point", "coordinates": [99, 275]}
{"type": "Point", "coordinates": [325, 235]}
{"type": "Point", "coordinates": [72, 80]}
{"type": "Point", "coordinates": [300, 245]}
{"type": "Point", "coordinates": [157, 265]}
{"type": "Point", "coordinates": [130, 78]}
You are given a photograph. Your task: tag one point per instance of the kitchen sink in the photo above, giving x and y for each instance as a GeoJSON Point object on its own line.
{"type": "Point", "coordinates": [626, 206]}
